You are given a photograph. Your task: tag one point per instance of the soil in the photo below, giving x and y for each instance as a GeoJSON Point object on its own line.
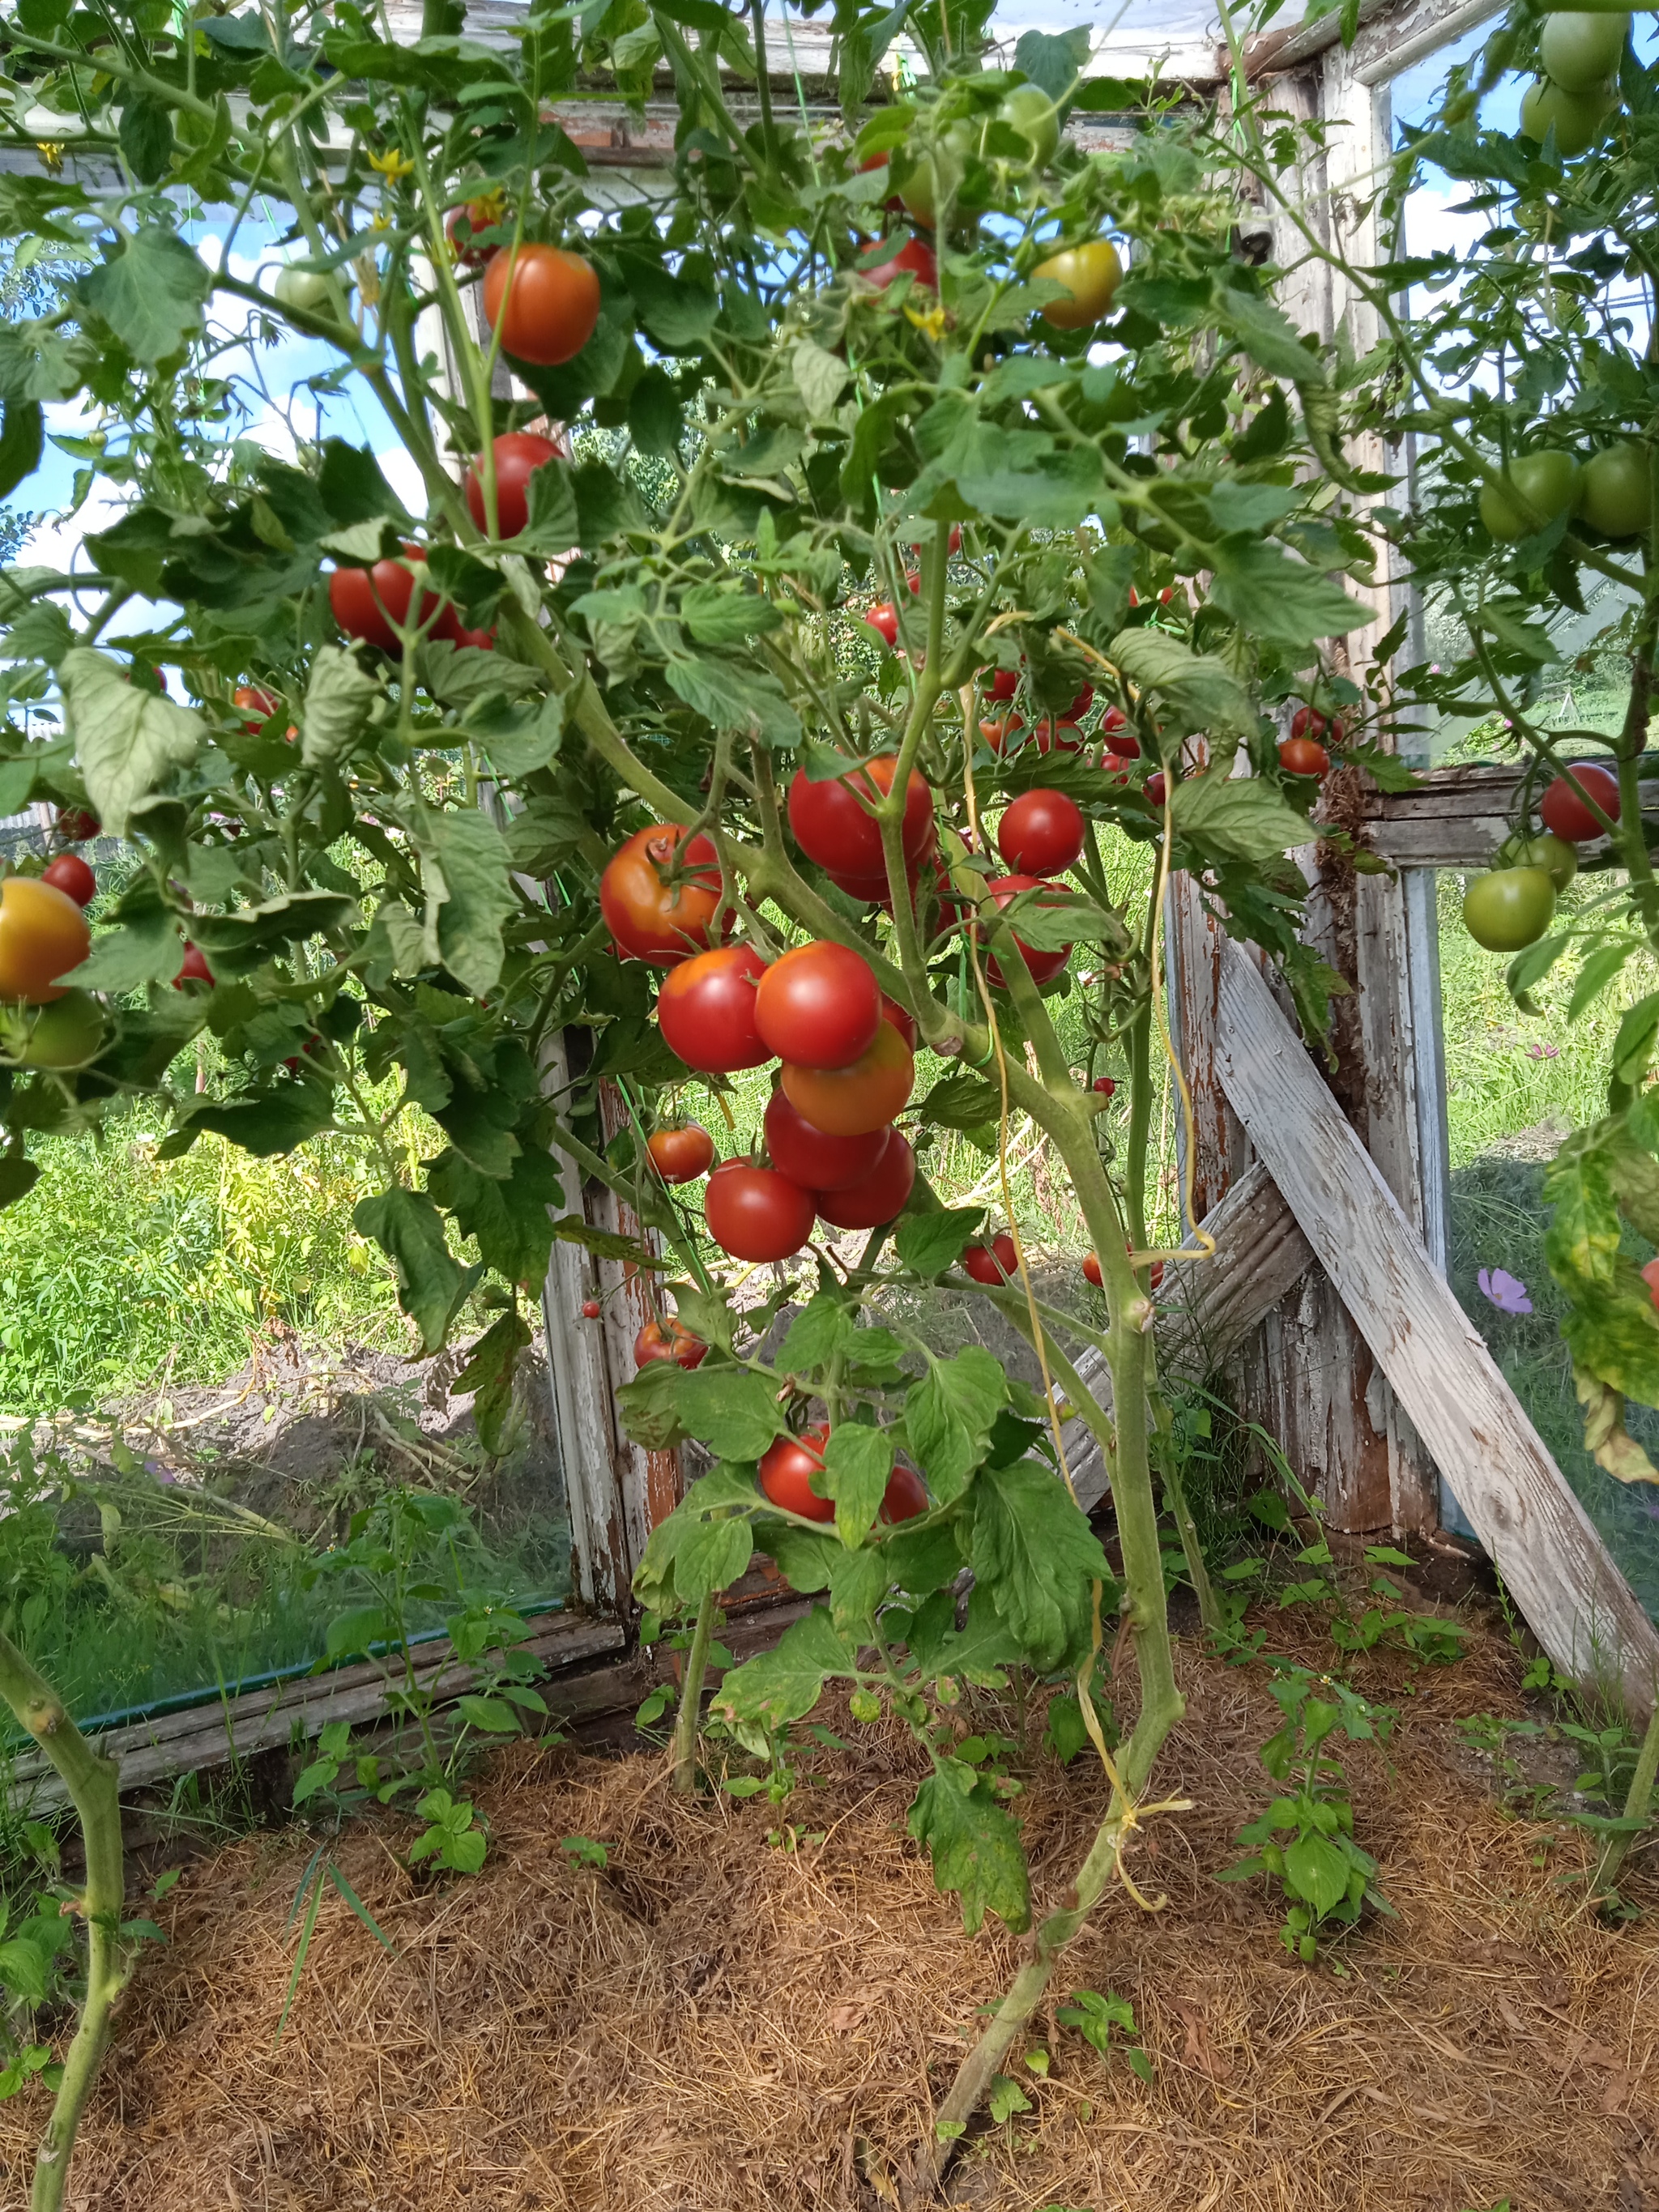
{"type": "Point", "coordinates": [750, 2009]}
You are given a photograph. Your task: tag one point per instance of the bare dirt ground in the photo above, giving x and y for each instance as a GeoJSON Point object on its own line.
{"type": "Point", "coordinates": [712, 2023]}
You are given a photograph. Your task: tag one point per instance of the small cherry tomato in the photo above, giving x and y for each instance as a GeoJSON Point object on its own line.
{"type": "Point", "coordinates": [906, 1496]}
{"type": "Point", "coordinates": [849, 1102]}
{"type": "Point", "coordinates": [372, 604]}
{"type": "Point", "coordinates": [1004, 682]}
{"type": "Point", "coordinates": [466, 224]}
{"type": "Point", "coordinates": [1155, 789]}
{"type": "Point", "coordinates": [74, 825]}
{"type": "Point", "coordinates": [1091, 1270]}
{"type": "Point", "coordinates": [681, 1155]}
{"type": "Point", "coordinates": [787, 1470]}
{"type": "Point", "coordinates": [1106, 1085]}
{"type": "Point", "coordinates": [997, 1263]}
{"type": "Point", "coordinates": [69, 873]}
{"type": "Point", "coordinates": [1041, 833]}
{"type": "Point", "coordinates": [1117, 736]}
{"type": "Point", "coordinates": [193, 968]}
{"type": "Point", "coordinates": [1301, 757]}
{"type": "Point", "coordinates": [999, 735]}
{"type": "Point", "coordinates": [812, 1156]}
{"type": "Point", "coordinates": [1091, 273]}
{"type": "Point", "coordinates": [1564, 812]}
{"type": "Point", "coordinates": [884, 619]}
{"type": "Point", "coordinates": [519, 454]}
{"type": "Point", "coordinates": [1042, 965]}
{"type": "Point", "coordinates": [916, 257]}
{"type": "Point", "coordinates": [880, 1196]}
{"type": "Point", "coordinates": [664, 921]}
{"type": "Point", "coordinates": [1058, 737]}
{"type": "Point", "coordinates": [260, 705]}
{"type": "Point", "coordinates": [543, 303]}
{"type": "Point", "coordinates": [43, 934]}
{"type": "Point", "coordinates": [1309, 722]}
{"type": "Point", "coordinates": [669, 1339]}
{"type": "Point", "coordinates": [1079, 706]}
{"type": "Point", "coordinates": [706, 1011]}
{"type": "Point", "coordinates": [592, 1309]}
{"type": "Point", "coordinates": [819, 1007]}
{"type": "Point", "coordinates": [755, 1213]}
{"type": "Point", "coordinates": [834, 825]}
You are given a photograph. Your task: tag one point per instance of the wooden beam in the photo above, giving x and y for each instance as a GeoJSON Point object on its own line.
{"type": "Point", "coordinates": [1390, 38]}
{"type": "Point", "coordinates": [1517, 1500]}
{"type": "Point", "coordinates": [1457, 817]}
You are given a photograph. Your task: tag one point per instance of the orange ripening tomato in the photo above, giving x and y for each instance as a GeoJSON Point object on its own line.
{"type": "Point", "coordinates": [669, 1339]}
{"type": "Point", "coordinates": [1000, 734]}
{"type": "Point", "coordinates": [849, 1102]}
{"type": "Point", "coordinates": [649, 918]}
{"type": "Point", "coordinates": [1091, 1270]}
{"type": "Point", "coordinates": [882, 1193]}
{"type": "Point", "coordinates": [681, 1155]}
{"type": "Point", "coordinates": [543, 303]}
{"type": "Point", "coordinates": [43, 934]}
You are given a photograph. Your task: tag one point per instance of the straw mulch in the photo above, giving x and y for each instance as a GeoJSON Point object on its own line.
{"type": "Point", "coordinates": [711, 2023]}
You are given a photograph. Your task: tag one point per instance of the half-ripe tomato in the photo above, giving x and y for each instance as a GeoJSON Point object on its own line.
{"type": "Point", "coordinates": [68, 872]}
{"type": "Point", "coordinates": [371, 603]}
{"type": "Point", "coordinates": [812, 1156]}
{"type": "Point", "coordinates": [1004, 682]}
{"type": "Point", "coordinates": [849, 1102]}
{"type": "Point", "coordinates": [193, 968]}
{"type": "Point", "coordinates": [1564, 812]}
{"type": "Point", "coordinates": [67, 1034]}
{"type": "Point", "coordinates": [903, 1023]}
{"type": "Point", "coordinates": [669, 1339]}
{"type": "Point", "coordinates": [258, 704]}
{"type": "Point", "coordinates": [43, 934]}
{"type": "Point", "coordinates": [833, 825]}
{"type": "Point", "coordinates": [519, 454]}
{"type": "Point", "coordinates": [653, 913]}
{"type": "Point", "coordinates": [787, 1470]}
{"type": "Point", "coordinates": [1509, 907]}
{"type": "Point", "coordinates": [916, 257]}
{"type": "Point", "coordinates": [466, 225]}
{"type": "Point", "coordinates": [74, 825]}
{"type": "Point", "coordinates": [884, 1193]}
{"type": "Point", "coordinates": [1058, 737]}
{"type": "Point", "coordinates": [883, 619]}
{"type": "Point", "coordinates": [1091, 1270]}
{"type": "Point", "coordinates": [542, 302]}
{"type": "Point", "coordinates": [906, 1496]}
{"type": "Point", "coordinates": [819, 1007]}
{"type": "Point", "coordinates": [706, 1011]}
{"type": "Point", "coordinates": [1302, 757]}
{"type": "Point", "coordinates": [1091, 274]}
{"type": "Point", "coordinates": [1000, 734]}
{"type": "Point", "coordinates": [1005, 890]}
{"type": "Point", "coordinates": [1618, 494]}
{"type": "Point", "coordinates": [1041, 833]}
{"type": "Point", "coordinates": [996, 1262]}
{"type": "Point", "coordinates": [755, 1213]}
{"type": "Point", "coordinates": [681, 1155]}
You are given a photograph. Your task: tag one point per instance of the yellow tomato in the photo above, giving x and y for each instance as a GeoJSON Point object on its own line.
{"type": "Point", "coordinates": [43, 934]}
{"type": "Point", "coordinates": [1091, 273]}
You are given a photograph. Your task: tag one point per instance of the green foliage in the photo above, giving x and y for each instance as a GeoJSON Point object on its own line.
{"type": "Point", "coordinates": [1098, 2019]}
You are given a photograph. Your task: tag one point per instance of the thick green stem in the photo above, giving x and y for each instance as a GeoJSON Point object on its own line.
{"type": "Point", "coordinates": [1616, 1848]}
{"type": "Point", "coordinates": [93, 1787]}
{"type": "Point", "coordinates": [690, 1712]}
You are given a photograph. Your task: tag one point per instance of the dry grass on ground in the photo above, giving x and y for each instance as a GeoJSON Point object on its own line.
{"type": "Point", "coordinates": [709, 2023]}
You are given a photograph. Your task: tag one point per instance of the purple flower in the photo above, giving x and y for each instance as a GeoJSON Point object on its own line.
{"type": "Point", "coordinates": [1543, 1052]}
{"type": "Point", "coordinates": [1508, 1295]}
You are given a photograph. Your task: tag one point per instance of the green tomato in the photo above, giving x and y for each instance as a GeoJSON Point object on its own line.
{"type": "Point", "coordinates": [1509, 908]}
{"type": "Point", "coordinates": [305, 290]}
{"type": "Point", "coordinates": [1029, 110]}
{"type": "Point", "coordinates": [66, 1034]}
{"type": "Point", "coordinates": [1575, 118]}
{"type": "Point", "coordinates": [1549, 482]}
{"type": "Point", "coordinates": [937, 176]}
{"type": "Point", "coordinates": [1553, 854]}
{"type": "Point", "coordinates": [1618, 497]}
{"type": "Point", "coordinates": [1581, 51]}
{"type": "Point", "coordinates": [1603, 8]}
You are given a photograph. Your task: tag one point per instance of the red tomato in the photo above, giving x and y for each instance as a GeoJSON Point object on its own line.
{"type": "Point", "coordinates": [464, 225]}
{"type": "Point", "coordinates": [194, 969]}
{"type": "Point", "coordinates": [1650, 1277]}
{"type": "Point", "coordinates": [706, 1011]}
{"type": "Point", "coordinates": [819, 1007]}
{"type": "Point", "coordinates": [1041, 834]}
{"type": "Point", "coordinates": [1004, 682]}
{"type": "Point", "coordinates": [834, 825]}
{"type": "Point", "coordinates": [1301, 757]}
{"type": "Point", "coordinates": [669, 1339]}
{"type": "Point", "coordinates": [903, 1023]}
{"type": "Point", "coordinates": [592, 1309]}
{"type": "Point", "coordinates": [1119, 739]}
{"type": "Point", "coordinates": [70, 873]}
{"type": "Point", "coordinates": [786, 1471]}
{"type": "Point", "coordinates": [912, 583]}
{"type": "Point", "coordinates": [1155, 788]}
{"type": "Point", "coordinates": [681, 1155]}
{"type": "Point", "coordinates": [999, 735]}
{"type": "Point", "coordinates": [906, 1496]}
{"type": "Point", "coordinates": [915, 258]}
{"type": "Point", "coordinates": [884, 1193]}
{"type": "Point", "coordinates": [1042, 965]}
{"type": "Point", "coordinates": [884, 620]}
{"type": "Point", "coordinates": [1309, 722]}
{"type": "Point", "coordinates": [1092, 1269]}
{"type": "Point", "coordinates": [518, 457]}
{"type": "Point", "coordinates": [369, 602]}
{"type": "Point", "coordinates": [542, 302]}
{"type": "Point", "coordinates": [755, 1213]}
{"type": "Point", "coordinates": [43, 934]}
{"type": "Point", "coordinates": [74, 825]}
{"type": "Point", "coordinates": [849, 1102]}
{"type": "Point", "coordinates": [1080, 706]}
{"type": "Point", "coordinates": [812, 1156]}
{"type": "Point", "coordinates": [261, 704]}
{"type": "Point", "coordinates": [997, 1263]}
{"type": "Point", "coordinates": [1058, 737]}
{"type": "Point", "coordinates": [1564, 812]}
{"type": "Point", "coordinates": [879, 162]}
{"type": "Point", "coordinates": [1106, 1086]}
{"type": "Point", "coordinates": [663, 922]}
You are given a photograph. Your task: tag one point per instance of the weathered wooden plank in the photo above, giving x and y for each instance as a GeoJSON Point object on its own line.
{"type": "Point", "coordinates": [1391, 37]}
{"type": "Point", "coordinates": [1456, 818]}
{"type": "Point", "coordinates": [1517, 1501]}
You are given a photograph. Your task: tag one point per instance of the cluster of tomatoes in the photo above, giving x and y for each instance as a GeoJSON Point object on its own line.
{"type": "Point", "coordinates": [1513, 904]}
{"type": "Point", "coordinates": [1579, 91]}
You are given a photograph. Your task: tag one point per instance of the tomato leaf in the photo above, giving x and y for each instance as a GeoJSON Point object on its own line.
{"type": "Point", "coordinates": [1198, 691]}
{"type": "Point", "coordinates": [272, 1123]}
{"type": "Point", "coordinates": [508, 1218]}
{"type": "Point", "coordinates": [978, 1651]}
{"type": "Point", "coordinates": [928, 1244]}
{"type": "Point", "coordinates": [975, 1846]}
{"type": "Point", "coordinates": [1236, 817]}
{"type": "Point", "coordinates": [733, 1410]}
{"type": "Point", "coordinates": [1633, 1046]}
{"type": "Point", "coordinates": [18, 1177]}
{"type": "Point", "coordinates": [1597, 971]}
{"type": "Point", "coordinates": [151, 293]}
{"type": "Point", "coordinates": [711, 1556]}
{"type": "Point", "coordinates": [949, 1414]}
{"type": "Point", "coordinates": [857, 1462]}
{"type": "Point", "coordinates": [465, 867]}
{"type": "Point", "coordinates": [784, 1684]}
{"type": "Point", "coordinates": [127, 740]}
{"type": "Point", "coordinates": [431, 1284]}
{"type": "Point", "coordinates": [1035, 1553]}
{"type": "Point", "coordinates": [1272, 595]}
{"type": "Point", "coordinates": [961, 1101]}
{"type": "Point", "coordinates": [22, 443]}
{"type": "Point", "coordinates": [490, 1367]}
